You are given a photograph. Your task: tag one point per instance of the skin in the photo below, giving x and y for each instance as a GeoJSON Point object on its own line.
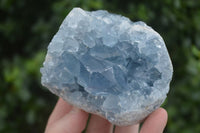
{"type": "Point", "coordinates": [68, 119]}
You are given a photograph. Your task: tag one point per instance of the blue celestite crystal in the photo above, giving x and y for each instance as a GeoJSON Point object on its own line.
{"type": "Point", "coordinates": [107, 65]}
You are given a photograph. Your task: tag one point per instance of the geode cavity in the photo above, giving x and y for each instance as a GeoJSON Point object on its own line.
{"type": "Point", "coordinates": [107, 65]}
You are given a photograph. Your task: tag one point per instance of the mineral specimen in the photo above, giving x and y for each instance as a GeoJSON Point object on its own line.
{"type": "Point", "coordinates": [107, 65]}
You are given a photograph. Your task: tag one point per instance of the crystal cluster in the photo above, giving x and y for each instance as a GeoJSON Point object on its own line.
{"type": "Point", "coordinates": [107, 65]}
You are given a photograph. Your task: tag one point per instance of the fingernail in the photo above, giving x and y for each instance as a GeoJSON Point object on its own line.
{"type": "Point", "coordinates": [75, 110]}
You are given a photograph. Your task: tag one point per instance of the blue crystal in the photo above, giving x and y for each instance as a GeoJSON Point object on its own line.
{"type": "Point", "coordinates": [107, 65]}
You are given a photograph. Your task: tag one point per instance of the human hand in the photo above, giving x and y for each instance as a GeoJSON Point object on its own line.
{"type": "Point", "coordinates": [67, 119]}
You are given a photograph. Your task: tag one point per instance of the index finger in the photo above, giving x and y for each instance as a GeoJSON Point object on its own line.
{"type": "Point", "coordinates": [61, 108]}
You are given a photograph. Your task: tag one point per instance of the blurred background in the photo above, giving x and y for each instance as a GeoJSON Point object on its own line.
{"type": "Point", "coordinates": [27, 26]}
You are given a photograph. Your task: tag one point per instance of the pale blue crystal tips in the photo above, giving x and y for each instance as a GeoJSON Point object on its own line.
{"type": "Point", "coordinates": [105, 64]}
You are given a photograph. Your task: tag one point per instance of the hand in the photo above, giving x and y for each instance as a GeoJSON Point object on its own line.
{"type": "Point", "coordinates": [68, 119]}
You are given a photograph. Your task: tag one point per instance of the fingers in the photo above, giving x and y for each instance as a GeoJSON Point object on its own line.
{"type": "Point", "coordinates": [65, 119]}
{"type": "Point", "coordinates": [99, 125]}
{"type": "Point", "coordinates": [127, 129]}
{"type": "Point", "coordinates": [59, 111]}
{"type": "Point", "coordinates": [73, 122]}
{"type": "Point", "coordinates": [156, 122]}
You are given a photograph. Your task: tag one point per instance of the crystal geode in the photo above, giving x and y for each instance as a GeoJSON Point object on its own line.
{"type": "Point", "coordinates": [107, 65]}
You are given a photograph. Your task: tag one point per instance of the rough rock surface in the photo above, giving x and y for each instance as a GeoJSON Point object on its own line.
{"type": "Point", "coordinates": [105, 64]}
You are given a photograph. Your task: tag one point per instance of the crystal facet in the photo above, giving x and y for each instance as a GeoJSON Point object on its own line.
{"type": "Point", "coordinates": [107, 65]}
